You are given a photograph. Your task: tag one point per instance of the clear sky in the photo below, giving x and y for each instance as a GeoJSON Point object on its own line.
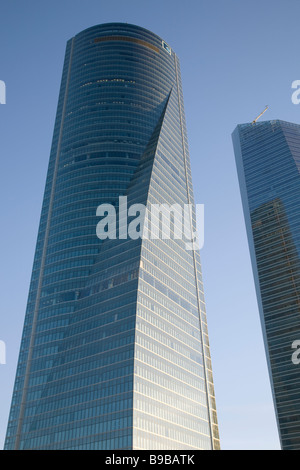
{"type": "Point", "coordinates": [236, 57]}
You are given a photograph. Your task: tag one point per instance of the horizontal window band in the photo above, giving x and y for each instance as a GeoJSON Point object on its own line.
{"type": "Point", "coordinates": [128, 39]}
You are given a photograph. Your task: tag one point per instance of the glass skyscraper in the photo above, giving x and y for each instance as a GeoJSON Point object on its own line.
{"type": "Point", "coordinates": [115, 351]}
{"type": "Point", "coordinates": [268, 164]}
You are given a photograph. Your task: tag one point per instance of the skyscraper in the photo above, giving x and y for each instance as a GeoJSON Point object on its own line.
{"type": "Point", "coordinates": [115, 351]}
{"type": "Point", "coordinates": [268, 164]}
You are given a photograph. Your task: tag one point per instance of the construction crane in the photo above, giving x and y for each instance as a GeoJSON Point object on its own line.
{"type": "Point", "coordinates": [253, 122]}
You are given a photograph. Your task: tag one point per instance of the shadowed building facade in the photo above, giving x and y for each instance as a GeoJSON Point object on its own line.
{"type": "Point", "coordinates": [115, 351]}
{"type": "Point", "coordinates": [268, 163]}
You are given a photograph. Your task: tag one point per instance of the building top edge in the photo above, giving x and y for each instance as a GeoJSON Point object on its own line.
{"type": "Point", "coordinates": [118, 26]}
{"type": "Point", "coordinates": [265, 123]}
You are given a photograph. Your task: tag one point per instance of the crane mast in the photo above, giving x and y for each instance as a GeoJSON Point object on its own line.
{"type": "Point", "coordinates": [254, 121]}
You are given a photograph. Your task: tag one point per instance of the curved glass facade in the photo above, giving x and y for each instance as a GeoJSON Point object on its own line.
{"type": "Point", "coordinates": [115, 351]}
{"type": "Point", "coordinates": [268, 162]}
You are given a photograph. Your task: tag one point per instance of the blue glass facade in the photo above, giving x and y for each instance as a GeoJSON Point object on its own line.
{"type": "Point", "coordinates": [115, 351]}
{"type": "Point", "coordinates": [268, 163]}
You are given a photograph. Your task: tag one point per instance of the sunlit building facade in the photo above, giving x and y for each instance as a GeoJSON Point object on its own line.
{"type": "Point", "coordinates": [115, 351]}
{"type": "Point", "coordinates": [268, 163]}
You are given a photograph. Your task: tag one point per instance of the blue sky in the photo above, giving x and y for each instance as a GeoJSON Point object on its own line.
{"type": "Point", "coordinates": [236, 57]}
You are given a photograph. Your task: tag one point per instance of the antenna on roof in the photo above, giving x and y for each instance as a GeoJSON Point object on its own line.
{"type": "Point", "coordinates": [254, 121]}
